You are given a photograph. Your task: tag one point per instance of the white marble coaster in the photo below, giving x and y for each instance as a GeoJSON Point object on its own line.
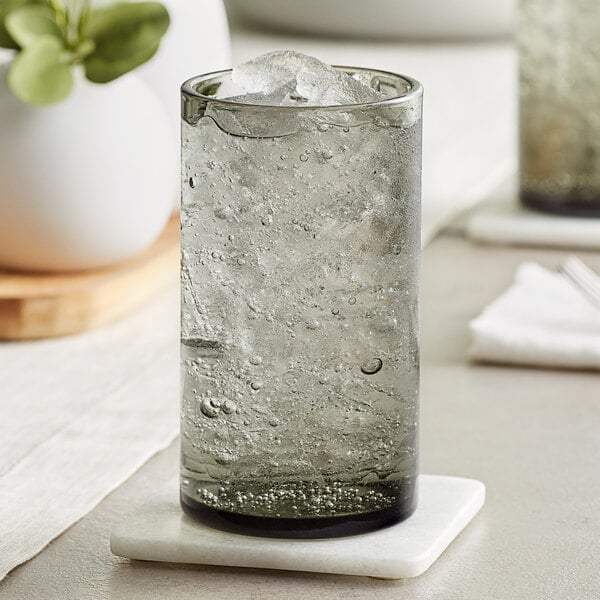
{"type": "Point", "coordinates": [159, 531]}
{"type": "Point", "coordinates": [503, 220]}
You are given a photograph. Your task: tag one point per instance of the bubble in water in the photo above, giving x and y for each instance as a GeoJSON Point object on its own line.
{"type": "Point", "coordinates": [352, 300]}
{"type": "Point", "coordinates": [335, 311]}
{"type": "Point", "coordinates": [384, 324]}
{"type": "Point", "coordinates": [372, 366]}
{"type": "Point", "coordinates": [192, 182]}
{"type": "Point", "coordinates": [207, 409]}
{"type": "Point", "coordinates": [304, 157]}
{"type": "Point", "coordinates": [256, 385]}
{"type": "Point", "coordinates": [255, 360]}
{"type": "Point", "coordinates": [223, 212]}
{"type": "Point", "coordinates": [228, 407]}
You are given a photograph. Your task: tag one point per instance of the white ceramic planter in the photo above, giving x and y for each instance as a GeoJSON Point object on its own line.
{"type": "Point", "coordinates": [85, 183]}
{"type": "Point", "coordinates": [196, 42]}
{"type": "Point", "coordinates": [392, 19]}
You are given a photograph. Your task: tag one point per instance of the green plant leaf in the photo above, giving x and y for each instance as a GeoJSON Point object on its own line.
{"type": "Point", "coordinates": [125, 36]}
{"type": "Point", "coordinates": [40, 74]}
{"type": "Point", "coordinates": [28, 23]}
{"type": "Point", "coordinates": [6, 7]}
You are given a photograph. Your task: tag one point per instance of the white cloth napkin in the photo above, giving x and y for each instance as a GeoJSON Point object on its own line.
{"type": "Point", "coordinates": [78, 416]}
{"type": "Point", "coordinates": [541, 320]}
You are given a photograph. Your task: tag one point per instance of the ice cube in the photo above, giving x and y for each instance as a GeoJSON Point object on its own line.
{"type": "Point", "coordinates": [290, 78]}
{"type": "Point", "coordinates": [268, 72]}
{"type": "Point", "coordinates": [274, 98]}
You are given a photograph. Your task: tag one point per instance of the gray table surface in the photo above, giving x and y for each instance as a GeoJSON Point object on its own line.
{"type": "Point", "coordinates": [532, 436]}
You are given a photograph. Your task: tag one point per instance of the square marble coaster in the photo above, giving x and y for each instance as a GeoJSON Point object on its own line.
{"type": "Point", "coordinates": [502, 220]}
{"type": "Point", "coordinates": [159, 531]}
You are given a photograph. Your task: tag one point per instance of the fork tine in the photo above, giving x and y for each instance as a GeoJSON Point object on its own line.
{"type": "Point", "coordinates": [583, 277]}
{"type": "Point", "coordinates": [581, 270]}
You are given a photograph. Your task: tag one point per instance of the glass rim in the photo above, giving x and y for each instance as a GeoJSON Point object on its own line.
{"type": "Point", "coordinates": [415, 90]}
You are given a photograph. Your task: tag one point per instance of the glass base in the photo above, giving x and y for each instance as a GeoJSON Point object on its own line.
{"type": "Point", "coordinates": [561, 204]}
{"type": "Point", "coordinates": [297, 528]}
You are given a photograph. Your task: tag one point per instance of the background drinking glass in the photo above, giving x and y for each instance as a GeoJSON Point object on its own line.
{"type": "Point", "coordinates": [559, 50]}
{"type": "Point", "coordinates": [300, 252]}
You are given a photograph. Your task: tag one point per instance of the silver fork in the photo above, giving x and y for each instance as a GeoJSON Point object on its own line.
{"type": "Point", "coordinates": [583, 277]}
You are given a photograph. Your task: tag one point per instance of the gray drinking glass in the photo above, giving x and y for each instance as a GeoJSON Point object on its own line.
{"type": "Point", "coordinates": [299, 331]}
{"type": "Point", "coordinates": [559, 51]}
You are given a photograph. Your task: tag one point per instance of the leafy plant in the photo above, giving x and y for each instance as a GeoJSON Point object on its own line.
{"type": "Point", "coordinates": [52, 37]}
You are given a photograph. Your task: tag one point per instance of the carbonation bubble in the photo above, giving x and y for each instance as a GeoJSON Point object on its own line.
{"type": "Point", "coordinates": [384, 324]}
{"type": "Point", "coordinates": [192, 182]}
{"type": "Point", "coordinates": [228, 407]}
{"type": "Point", "coordinates": [352, 300]}
{"type": "Point", "coordinates": [256, 385]}
{"type": "Point", "coordinates": [335, 311]}
{"type": "Point", "coordinates": [372, 366]}
{"type": "Point", "coordinates": [223, 212]}
{"type": "Point", "coordinates": [207, 409]}
{"type": "Point", "coordinates": [304, 157]}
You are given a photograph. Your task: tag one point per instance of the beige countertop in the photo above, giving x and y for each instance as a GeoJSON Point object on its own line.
{"type": "Point", "coordinates": [532, 436]}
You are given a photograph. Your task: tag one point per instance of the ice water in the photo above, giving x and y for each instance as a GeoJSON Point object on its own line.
{"type": "Point", "coordinates": [559, 51]}
{"type": "Point", "coordinates": [299, 350]}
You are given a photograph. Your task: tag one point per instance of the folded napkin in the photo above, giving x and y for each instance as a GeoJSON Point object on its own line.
{"type": "Point", "coordinates": [78, 415]}
{"type": "Point", "coordinates": [541, 320]}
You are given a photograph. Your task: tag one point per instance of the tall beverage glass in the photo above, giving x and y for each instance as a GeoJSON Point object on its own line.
{"type": "Point", "coordinates": [559, 51]}
{"type": "Point", "coordinates": [299, 330]}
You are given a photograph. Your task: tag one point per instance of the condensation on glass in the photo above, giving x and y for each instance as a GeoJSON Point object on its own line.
{"type": "Point", "coordinates": [559, 47]}
{"type": "Point", "coordinates": [299, 347]}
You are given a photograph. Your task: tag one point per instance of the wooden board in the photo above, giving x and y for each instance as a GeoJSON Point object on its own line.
{"type": "Point", "coordinates": [39, 305]}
